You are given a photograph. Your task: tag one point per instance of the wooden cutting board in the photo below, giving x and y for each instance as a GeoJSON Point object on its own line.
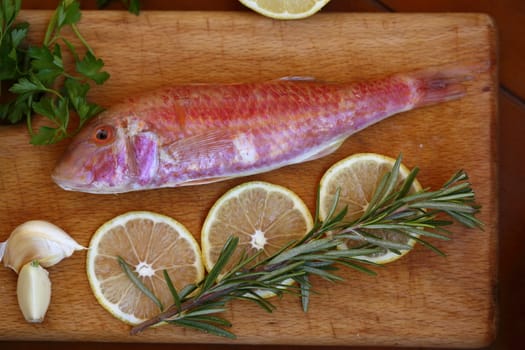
{"type": "Point", "coordinates": [420, 300]}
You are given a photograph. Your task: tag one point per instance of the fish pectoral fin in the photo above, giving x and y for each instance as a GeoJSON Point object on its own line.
{"type": "Point", "coordinates": [210, 142]}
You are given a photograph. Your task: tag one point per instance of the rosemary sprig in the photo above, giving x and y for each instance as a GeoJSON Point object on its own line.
{"type": "Point", "coordinates": [392, 208]}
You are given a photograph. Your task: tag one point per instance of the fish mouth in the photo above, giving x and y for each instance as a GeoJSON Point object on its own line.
{"type": "Point", "coordinates": [86, 184]}
{"type": "Point", "coordinates": [76, 185]}
{"type": "Point", "coordinates": [69, 183]}
{"type": "Point", "coordinates": [70, 175]}
{"type": "Point", "coordinates": [71, 171]}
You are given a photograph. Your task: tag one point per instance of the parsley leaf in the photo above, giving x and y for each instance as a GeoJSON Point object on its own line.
{"type": "Point", "coordinates": [56, 110]}
{"type": "Point", "coordinates": [68, 12]}
{"type": "Point", "coordinates": [77, 95]}
{"type": "Point", "coordinates": [25, 85]}
{"type": "Point", "coordinates": [90, 67]}
{"type": "Point", "coordinates": [47, 65]}
{"type": "Point", "coordinates": [46, 135]}
{"type": "Point", "coordinates": [11, 36]}
{"type": "Point", "coordinates": [9, 10]}
{"type": "Point", "coordinates": [45, 107]}
{"type": "Point", "coordinates": [19, 33]}
{"type": "Point", "coordinates": [16, 110]}
{"type": "Point", "coordinates": [133, 6]}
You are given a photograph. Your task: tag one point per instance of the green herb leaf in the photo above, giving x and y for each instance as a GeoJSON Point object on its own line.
{"type": "Point", "coordinates": [305, 291]}
{"type": "Point", "coordinates": [204, 327]}
{"type": "Point", "coordinates": [77, 92]}
{"type": "Point", "coordinates": [13, 60]}
{"type": "Point", "coordinates": [91, 67]}
{"type": "Point", "coordinates": [44, 136]}
{"type": "Point", "coordinates": [133, 6]}
{"type": "Point", "coordinates": [24, 85]}
{"type": "Point", "coordinates": [40, 79]}
{"type": "Point", "coordinates": [15, 111]}
{"type": "Point", "coordinates": [224, 258]}
{"type": "Point", "coordinates": [56, 110]}
{"type": "Point", "coordinates": [67, 13]}
{"type": "Point", "coordinates": [185, 291]}
{"type": "Point", "coordinates": [138, 283]}
{"type": "Point", "coordinates": [45, 107]}
{"type": "Point", "coordinates": [176, 297]}
{"type": "Point", "coordinates": [9, 11]}
{"type": "Point", "coordinates": [47, 65]}
{"type": "Point", "coordinates": [19, 33]}
{"type": "Point", "coordinates": [62, 113]}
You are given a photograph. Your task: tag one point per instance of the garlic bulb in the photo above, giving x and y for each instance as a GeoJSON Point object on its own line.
{"type": "Point", "coordinates": [33, 291]}
{"type": "Point", "coordinates": [37, 240]}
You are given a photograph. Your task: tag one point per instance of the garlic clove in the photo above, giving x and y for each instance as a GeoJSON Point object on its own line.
{"type": "Point", "coordinates": [33, 292]}
{"type": "Point", "coordinates": [37, 240]}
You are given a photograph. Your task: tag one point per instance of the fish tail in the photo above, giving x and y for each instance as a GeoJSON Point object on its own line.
{"type": "Point", "coordinates": [444, 83]}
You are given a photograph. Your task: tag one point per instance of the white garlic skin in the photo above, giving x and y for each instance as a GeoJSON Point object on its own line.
{"type": "Point", "coordinates": [37, 240]}
{"type": "Point", "coordinates": [33, 292]}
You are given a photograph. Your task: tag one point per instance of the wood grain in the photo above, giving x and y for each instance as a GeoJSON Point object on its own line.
{"type": "Point", "coordinates": [420, 300]}
{"type": "Point", "coordinates": [508, 15]}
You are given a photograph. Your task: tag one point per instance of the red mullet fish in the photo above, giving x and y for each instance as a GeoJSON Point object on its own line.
{"type": "Point", "coordinates": [202, 133]}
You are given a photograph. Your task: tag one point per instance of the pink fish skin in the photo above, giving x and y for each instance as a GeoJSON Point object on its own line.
{"type": "Point", "coordinates": [201, 133]}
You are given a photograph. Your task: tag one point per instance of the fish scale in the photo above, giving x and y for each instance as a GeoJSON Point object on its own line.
{"type": "Point", "coordinates": [202, 133]}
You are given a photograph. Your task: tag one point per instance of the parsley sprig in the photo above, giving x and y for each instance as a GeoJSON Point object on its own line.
{"type": "Point", "coordinates": [417, 216]}
{"type": "Point", "coordinates": [13, 60]}
{"type": "Point", "coordinates": [41, 82]}
{"type": "Point", "coordinates": [133, 6]}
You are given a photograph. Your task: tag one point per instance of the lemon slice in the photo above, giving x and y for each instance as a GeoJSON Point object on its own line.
{"type": "Point", "coordinates": [358, 176]}
{"type": "Point", "coordinates": [149, 243]}
{"type": "Point", "coordinates": [285, 9]}
{"type": "Point", "coordinates": [265, 217]}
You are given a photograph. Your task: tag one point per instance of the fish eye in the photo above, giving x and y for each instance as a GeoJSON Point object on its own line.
{"type": "Point", "coordinates": [103, 134]}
